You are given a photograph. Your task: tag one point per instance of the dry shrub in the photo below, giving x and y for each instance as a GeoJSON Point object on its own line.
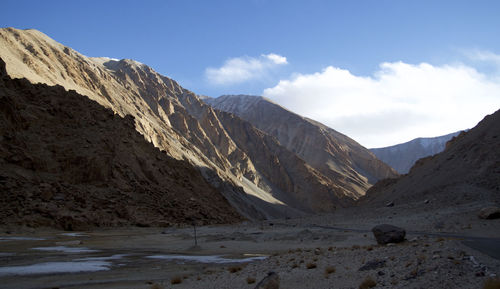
{"type": "Point", "coordinates": [492, 283]}
{"type": "Point", "coordinates": [329, 270]}
{"type": "Point", "coordinates": [311, 265]}
{"type": "Point", "coordinates": [234, 269]}
{"type": "Point", "coordinates": [156, 286]}
{"type": "Point", "coordinates": [294, 265]}
{"type": "Point", "coordinates": [369, 248]}
{"type": "Point", "coordinates": [250, 280]}
{"type": "Point", "coordinates": [330, 248]}
{"type": "Point", "coordinates": [176, 280]}
{"type": "Point", "coordinates": [367, 283]}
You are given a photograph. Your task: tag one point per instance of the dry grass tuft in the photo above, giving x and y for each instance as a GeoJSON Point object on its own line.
{"type": "Point", "coordinates": [330, 270]}
{"type": "Point", "coordinates": [250, 280]}
{"type": "Point", "coordinates": [176, 280]}
{"type": "Point", "coordinates": [367, 283]}
{"type": "Point", "coordinates": [234, 269]}
{"type": "Point", "coordinates": [492, 283]}
{"type": "Point", "coordinates": [311, 265]}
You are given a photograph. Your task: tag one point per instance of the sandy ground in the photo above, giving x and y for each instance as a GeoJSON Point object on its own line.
{"type": "Point", "coordinates": [327, 251]}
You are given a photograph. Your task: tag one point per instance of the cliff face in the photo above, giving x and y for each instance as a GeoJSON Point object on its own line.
{"type": "Point", "coordinates": [68, 162]}
{"type": "Point", "coordinates": [177, 122]}
{"type": "Point", "coordinates": [468, 170]}
{"type": "Point", "coordinates": [336, 156]}
{"type": "Point", "coordinates": [403, 156]}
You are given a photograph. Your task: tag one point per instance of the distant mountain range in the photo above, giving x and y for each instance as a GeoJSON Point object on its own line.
{"type": "Point", "coordinates": [291, 165]}
{"type": "Point", "coordinates": [403, 156]}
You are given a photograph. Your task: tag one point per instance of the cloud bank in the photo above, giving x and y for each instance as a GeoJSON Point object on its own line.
{"type": "Point", "coordinates": [241, 69]}
{"type": "Point", "coordinates": [397, 103]}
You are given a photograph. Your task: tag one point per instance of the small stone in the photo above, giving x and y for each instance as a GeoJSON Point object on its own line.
{"type": "Point", "coordinates": [436, 256]}
{"type": "Point", "coordinates": [390, 204]}
{"type": "Point", "coordinates": [380, 273]}
{"type": "Point", "coordinates": [271, 281]}
{"type": "Point", "coordinates": [372, 265]}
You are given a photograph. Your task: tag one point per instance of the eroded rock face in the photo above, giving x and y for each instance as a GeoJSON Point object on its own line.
{"type": "Point", "coordinates": [336, 156]}
{"type": "Point", "coordinates": [385, 234]}
{"type": "Point", "coordinates": [68, 162]}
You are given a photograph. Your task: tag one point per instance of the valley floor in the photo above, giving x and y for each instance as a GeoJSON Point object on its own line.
{"type": "Point", "coordinates": [448, 249]}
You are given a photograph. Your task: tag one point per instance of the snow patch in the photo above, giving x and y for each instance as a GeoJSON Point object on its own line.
{"type": "Point", "coordinates": [207, 259]}
{"type": "Point", "coordinates": [56, 267]}
{"type": "Point", "coordinates": [66, 249]}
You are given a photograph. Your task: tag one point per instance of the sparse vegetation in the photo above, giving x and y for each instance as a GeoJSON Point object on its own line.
{"type": "Point", "coordinates": [250, 280]}
{"type": "Point", "coordinates": [367, 283]}
{"type": "Point", "coordinates": [492, 283]}
{"type": "Point", "coordinates": [234, 269]}
{"type": "Point", "coordinates": [311, 265]}
{"type": "Point", "coordinates": [329, 270]}
{"type": "Point", "coordinates": [156, 286]}
{"type": "Point", "coordinates": [176, 280]}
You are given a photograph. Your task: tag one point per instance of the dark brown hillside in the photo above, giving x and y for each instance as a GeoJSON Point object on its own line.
{"type": "Point", "coordinates": [468, 170]}
{"type": "Point", "coordinates": [68, 162]}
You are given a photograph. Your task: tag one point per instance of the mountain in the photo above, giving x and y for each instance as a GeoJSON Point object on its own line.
{"type": "Point", "coordinates": [403, 156]}
{"type": "Point", "coordinates": [68, 162]}
{"type": "Point", "coordinates": [258, 175]}
{"type": "Point", "coordinates": [467, 171]}
{"type": "Point", "coordinates": [333, 154]}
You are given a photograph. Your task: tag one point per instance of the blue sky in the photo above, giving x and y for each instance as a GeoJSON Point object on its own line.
{"type": "Point", "coordinates": [248, 47]}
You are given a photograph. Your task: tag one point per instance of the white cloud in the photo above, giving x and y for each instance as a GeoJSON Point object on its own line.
{"type": "Point", "coordinates": [241, 69]}
{"type": "Point", "coordinates": [399, 102]}
{"type": "Point", "coordinates": [485, 56]}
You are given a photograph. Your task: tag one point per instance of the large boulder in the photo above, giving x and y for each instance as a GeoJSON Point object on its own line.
{"type": "Point", "coordinates": [388, 234]}
{"type": "Point", "coordinates": [489, 213]}
{"type": "Point", "coordinates": [271, 281]}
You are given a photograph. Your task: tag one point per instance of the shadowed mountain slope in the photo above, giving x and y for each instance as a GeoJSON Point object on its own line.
{"type": "Point", "coordinates": [468, 170]}
{"type": "Point", "coordinates": [68, 162]}
{"type": "Point", "coordinates": [176, 121]}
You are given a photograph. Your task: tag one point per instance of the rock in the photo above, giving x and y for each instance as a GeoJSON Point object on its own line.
{"type": "Point", "coordinates": [489, 213]}
{"type": "Point", "coordinates": [271, 281]}
{"type": "Point", "coordinates": [390, 204]}
{"type": "Point", "coordinates": [372, 265]}
{"type": "Point", "coordinates": [388, 234]}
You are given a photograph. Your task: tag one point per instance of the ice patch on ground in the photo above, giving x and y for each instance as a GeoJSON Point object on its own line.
{"type": "Point", "coordinates": [4, 239]}
{"type": "Point", "coordinates": [56, 267]}
{"type": "Point", "coordinates": [207, 259]}
{"type": "Point", "coordinates": [76, 234]}
{"type": "Point", "coordinates": [66, 249]}
{"type": "Point", "coordinates": [114, 257]}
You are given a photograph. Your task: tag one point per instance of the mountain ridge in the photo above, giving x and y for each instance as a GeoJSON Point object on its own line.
{"type": "Point", "coordinates": [330, 152]}
{"type": "Point", "coordinates": [404, 155]}
{"type": "Point", "coordinates": [177, 122]}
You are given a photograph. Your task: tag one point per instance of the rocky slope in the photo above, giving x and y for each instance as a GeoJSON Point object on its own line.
{"type": "Point", "coordinates": [467, 171]}
{"type": "Point", "coordinates": [335, 155]}
{"type": "Point", "coordinates": [403, 156]}
{"type": "Point", "coordinates": [176, 121]}
{"type": "Point", "coordinates": [68, 162]}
